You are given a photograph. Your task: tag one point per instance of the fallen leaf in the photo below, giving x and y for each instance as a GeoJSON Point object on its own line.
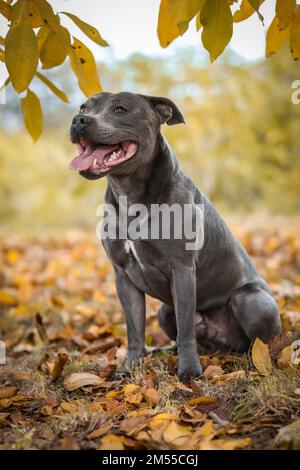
{"type": "Point", "coordinates": [8, 392]}
{"type": "Point", "coordinates": [176, 435]}
{"type": "Point", "coordinates": [212, 371]}
{"type": "Point", "coordinates": [152, 396]}
{"type": "Point", "coordinates": [160, 418]}
{"type": "Point", "coordinates": [230, 377]}
{"type": "Point", "coordinates": [201, 401]}
{"type": "Point", "coordinates": [100, 431]}
{"type": "Point", "coordinates": [261, 357]}
{"type": "Point", "coordinates": [81, 379]}
{"type": "Point", "coordinates": [112, 442]}
{"type": "Point", "coordinates": [131, 388]}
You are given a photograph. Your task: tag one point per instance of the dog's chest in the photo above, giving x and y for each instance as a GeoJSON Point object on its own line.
{"type": "Point", "coordinates": [143, 265]}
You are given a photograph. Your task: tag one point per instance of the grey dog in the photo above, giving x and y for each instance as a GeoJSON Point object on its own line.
{"type": "Point", "coordinates": [211, 296]}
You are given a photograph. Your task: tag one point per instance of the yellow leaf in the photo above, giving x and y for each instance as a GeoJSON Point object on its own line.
{"type": "Point", "coordinates": [47, 14]}
{"type": "Point", "coordinates": [84, 66]}
{"type": "Point", "coordinates": [160, 418]}
{"type": "Point", "coordinates": [246, 10]}
{"type": "Point", "coordinates": [53, 88]}
{"type": "Point", "coordinates": [230, 377]}
{"type": "Point", "coordinates": [284, 12]}
{"type": "Point", "coordinates": [261, 357]}
{"type": "Point", "coordinates": [212, 371]}
{"type": "Point", "coordinates": [32, 113]}
{"type": "Point", "coordinates": [53, 51]}
{"type": "Point", "coordinates": [81, 379]}
{"type": "Point", "coordinates": [174, 17]}
{"type": "Point", "coordinates": [229, 444]}
{"type": "Point", "coordinates": [175, 435]}
{"type": "Point", "coordinates": [152, 396]}
{"type": "Point", "coordinates": [216, 19]}
{"type": "Point", "coordinates": [275, 37]}
{"type": "Point", "coordinates": [256, 4]}
{"type": "Point", "coordinates": [198, 22]}
{"type": "Point", "coordinates": [295, 34]}
{"type": "Point", "coordinates": [21, 54]}
{"type": "Point", "coordinates": [131, 388]}
{"type": "Point", "coordinates": [5, 9]}
{"type": "Point", "coordinates": [112, 442]}
{"type": "Point", "coordinates": [7, 299]}
{"type": "Point", "coordinates": [89, 30]}
{"type": "Point", "coordinates": [35, 19]}
{"type": "Point", "coordinates": [42, 34]}
{"type": "Point", "coordinates": [201, 401]}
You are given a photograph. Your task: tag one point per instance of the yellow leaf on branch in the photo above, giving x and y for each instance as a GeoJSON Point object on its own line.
{"type": "Point", "coordinates": [84, 66]}
{"type": "Point", "coordinates": [32, 113]}
{"type": "Point", "coordinates": [216, 19]}
{"type": "Point", "coordinates": [284, 11]}
{"type": "Point", "coordinates": [275, 37]}
{"type": "Point", "coordinates": [21, 55]}
{"type": "Point", "coordinates": [174, 17]}
{"type": "Point", "coordinates": [87, 29]}
{"type": "Point", "coordinates": [295, 34]}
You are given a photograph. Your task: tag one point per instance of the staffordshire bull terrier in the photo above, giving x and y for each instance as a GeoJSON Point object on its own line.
{"type": "Point", "coordinates": [211, 295]}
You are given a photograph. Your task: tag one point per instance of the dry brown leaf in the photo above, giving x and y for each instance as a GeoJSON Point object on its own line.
{"type": "Point", "coordinates": [46, 410]}
{"type": "Point", "coordinates": [176, 435]}
{"type": "Point", "coordinates": [285, 359]}
{"type": "Point", "coordinates": [130, 388]}
{"type": "Point", "coordinates": [212, 371]}
{"type": "Point", "coordinates": [55, 366]}
{"type": "Point", "coordinates": [81, 379]}
{"type": "Point", "coordinates": [230, 377]}
{"type": "Point", "coordinates": [133, 425]}
{"type": "Point", "coordinates": [68, 407]}
{"type": "Point", "coordinates": [152, 396]}
{"type": "Point", "coordinates": [100, 431]}
{"type": "Point", "coordinates": [261, 357]}
{"type": "Point", "coordinates": [69, 443]}
{"type": "Point", "coordinates": [201, 401]}
{"type": "Point", "coordinates": [225, 444]}
{"type": "Point", "coordinates": [112, 442]}
{"type": "Point", "coordinates": [8, 392]}
{"type": "Point", "coordinates": [160, 418]}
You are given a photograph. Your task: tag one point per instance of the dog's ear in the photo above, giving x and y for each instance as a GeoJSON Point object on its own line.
{"type": "Point", "coordinates": [167, 110]}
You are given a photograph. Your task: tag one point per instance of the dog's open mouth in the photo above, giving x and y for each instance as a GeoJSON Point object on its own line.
{"type": "Point", "coordinates": [98, 158]}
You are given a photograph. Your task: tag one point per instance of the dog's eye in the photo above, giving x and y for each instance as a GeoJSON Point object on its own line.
{"type": "Point", "coordinates": [82, 109]}
{"type": "Point", "coordinates": [120, 109]}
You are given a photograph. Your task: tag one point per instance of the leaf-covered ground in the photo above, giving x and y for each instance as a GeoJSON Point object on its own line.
{"type": "Point", "coordinates": [65, 335]}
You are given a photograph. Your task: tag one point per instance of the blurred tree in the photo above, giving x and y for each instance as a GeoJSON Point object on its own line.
{"type": "Point", "coordinates": [36, 35]}
{"type": "Point", "coordinates": [241, 142]}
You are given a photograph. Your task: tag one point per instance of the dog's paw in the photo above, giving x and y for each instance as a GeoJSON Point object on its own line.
{"type": "Point", "coordinates": [189, 371]}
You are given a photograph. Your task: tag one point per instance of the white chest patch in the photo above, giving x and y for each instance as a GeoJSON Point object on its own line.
{"type": "Point", "coordinates": [129, 246]}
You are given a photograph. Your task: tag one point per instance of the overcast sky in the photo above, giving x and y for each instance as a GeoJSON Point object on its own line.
{"type": "Point", "coordinates": [129, 26]}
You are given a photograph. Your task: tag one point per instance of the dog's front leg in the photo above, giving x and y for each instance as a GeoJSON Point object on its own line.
{"type": "Point", "coordinates": [184, 299]}
{"type": "Point", "coordinates": [133, 303]}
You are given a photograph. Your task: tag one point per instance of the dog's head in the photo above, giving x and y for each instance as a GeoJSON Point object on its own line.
{"type": "Point", "coordinates": [117, 133]}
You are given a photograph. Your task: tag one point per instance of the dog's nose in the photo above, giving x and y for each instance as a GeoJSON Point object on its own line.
{"type": "Point", "coordinates": [80, 122]}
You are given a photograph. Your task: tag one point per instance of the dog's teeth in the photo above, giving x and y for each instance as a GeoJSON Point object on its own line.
{"type": "Point", "coordinates": [94, 163]}
{"type": "Point", "coordinates": [113, 156]}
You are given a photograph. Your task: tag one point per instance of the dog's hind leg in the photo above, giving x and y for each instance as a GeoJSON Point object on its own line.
{"type": "Point", "coordinates": [218, 330]}
{"type": "Point", "coordinates": [167, 321]}
{"type": "Point", "coordinates": [256, 311]}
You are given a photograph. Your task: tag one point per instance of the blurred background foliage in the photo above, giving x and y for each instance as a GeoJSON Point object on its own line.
{"type": "Point", "coordinates": [240, 143]}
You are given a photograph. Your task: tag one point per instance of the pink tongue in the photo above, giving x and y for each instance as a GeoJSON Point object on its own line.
{"type": "Point", "coordinates": [85, 160]}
